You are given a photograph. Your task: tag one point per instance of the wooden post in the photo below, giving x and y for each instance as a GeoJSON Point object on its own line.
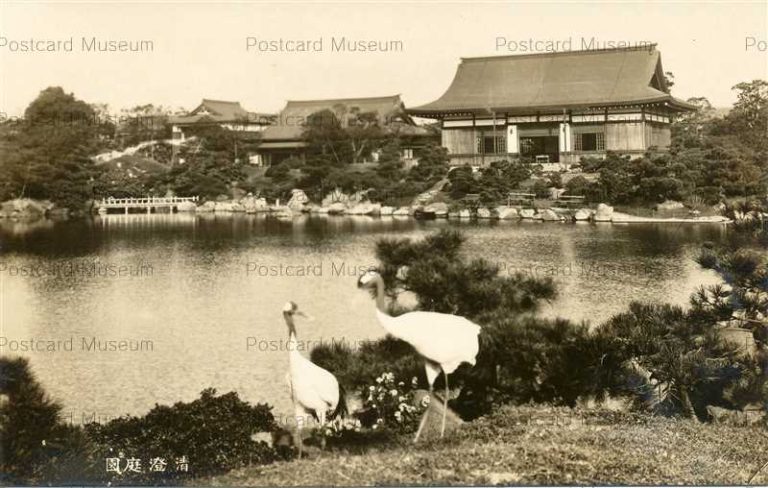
{"type": "Point", "coordinates": [495, 149]}
{"type": "Point", "coordinates": [478, 145]}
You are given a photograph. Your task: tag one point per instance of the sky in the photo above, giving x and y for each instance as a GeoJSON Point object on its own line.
{"type": "Point", "coordinates": [200, 50]}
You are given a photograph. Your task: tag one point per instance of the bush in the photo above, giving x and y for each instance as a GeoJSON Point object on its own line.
{"type": "Point", "coordinates": [688, 362]}
{"type": "Point", "coordinates": [27, 419]}
{"type": "Point", "coordinates": [212, 432]}
{"type": "Point", "coordinates": [357, 370]}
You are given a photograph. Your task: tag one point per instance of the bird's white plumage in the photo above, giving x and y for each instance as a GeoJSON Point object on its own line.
{"type": "Point", "coordinates": [445, 339]}
{"type": "Point", "coordinates": [312, 387]}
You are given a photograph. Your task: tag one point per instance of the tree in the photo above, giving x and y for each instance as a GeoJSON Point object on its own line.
{"type": "Point", "coordinates": [752, 104]}
{"type": "Point", "coordinates": [145, 123]}
{"type": "Point", "coordinates": [390, 162]}
{"type": "Point", "coordinates": [432, 167]}
{"type": "Point", "coordinates": [50, 157]}
{"type": "Point", "coordinates": [684, 358]}
{"type": "Point", "coordinates": [669, 80]}
{"type": "Point", "coordinates": [462, 182]}
{"type": "Point", "coordinates": [365, 134]}
{"type": "Point", "coordinates": [341, 138]}
{"type": "Point", "coordinates": [212, 165]}
{"type": "Point", "coordinates": [27, 419]}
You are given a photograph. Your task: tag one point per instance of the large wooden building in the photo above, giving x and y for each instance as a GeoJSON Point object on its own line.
{"type": "Point", "coordinates": [556, 107]}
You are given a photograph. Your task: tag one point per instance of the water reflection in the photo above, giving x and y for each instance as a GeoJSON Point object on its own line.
{"type": "Point", "coordinates": [203, 295]}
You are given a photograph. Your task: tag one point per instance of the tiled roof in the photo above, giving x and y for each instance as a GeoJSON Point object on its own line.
{"type": "Point", "coordinates": [220, 111]}
{"type": "Point", "coordinates": [553, 81]}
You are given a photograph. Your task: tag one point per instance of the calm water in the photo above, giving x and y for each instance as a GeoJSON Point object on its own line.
{"type": "Point", "coordinates": [204, 294]}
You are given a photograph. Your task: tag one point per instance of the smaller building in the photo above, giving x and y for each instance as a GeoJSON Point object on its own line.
{"type": "Point", "coordinates": [229, 115]}
{"type": "Point", "coordinates": [284, 139]}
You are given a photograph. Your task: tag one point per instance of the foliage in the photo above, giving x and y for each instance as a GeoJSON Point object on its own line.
{"type": "Point", "coordinates": [711, 171]}
{"type": "Point", "coordinates": [577, 185]}
{"type": "Point", "coordinates": [46, 156]}
{"type": "Point", "coordinates": [213, 432]}
{"type": "Point", "coordinates": [27, 418]}
{"type": "Point", "coordinates": [687, 359]}
{"type": "Point", "coordinates": [712, 158]}
{"type": "Point", "coordinates": [749, 118]}
{"type": "Point", "coordinates": [341, 137]}
{"type": "Point", "coordinates": [493, 183]}
{"type": "Point", "coordinates": [543, 361]}
{"type": "Point", "coordinates": [144, 123]}
{"type": "Point", "coordinates": [432, 167]}
{"type": "Point", "coordinates": [742, 300]}
{"type": "Point", "coordinates": [212, 164]}
{"type": "Point", "coordinates": [358, 369]}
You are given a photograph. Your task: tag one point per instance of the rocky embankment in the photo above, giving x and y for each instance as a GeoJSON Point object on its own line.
{"type": "Point", "coordinates": [28, 209]}
{"type": "Point", "coordinates": [338, 203]}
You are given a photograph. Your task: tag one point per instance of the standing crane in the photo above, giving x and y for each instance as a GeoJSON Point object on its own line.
{"type": "Point", "coordinates": [444, 341]}
{"type": "Point", "coordinates": [314, 391]}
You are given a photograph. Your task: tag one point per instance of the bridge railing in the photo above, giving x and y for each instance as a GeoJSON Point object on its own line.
{"type": "Point", "coordinates": [145, 201]}
{"type": "Point", "coordinates": [518, 198]}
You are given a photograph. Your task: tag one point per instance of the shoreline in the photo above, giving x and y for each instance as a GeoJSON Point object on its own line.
{"type": "Point", "coordinates": [623, 219]}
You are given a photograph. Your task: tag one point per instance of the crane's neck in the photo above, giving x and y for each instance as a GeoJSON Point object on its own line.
{"type": "Point", "coordinates": [388, 322]}
{"type": "Point", "coordinates": [291, 326]}
{"type": "Point", "coordinates": [381, 305]}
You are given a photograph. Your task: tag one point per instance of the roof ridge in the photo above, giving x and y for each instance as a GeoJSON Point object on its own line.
{"type": "Point", "coordinates": [386, 97]}
{"type": "Point", "coordinates": [220, 101]}
{"type": "Point", "coordinates": [582, 52]}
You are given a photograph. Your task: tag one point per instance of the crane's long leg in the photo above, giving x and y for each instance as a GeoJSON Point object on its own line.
{"type": "Point", "coordinates": [445, 405]}
{"type": "Point", "coordinates": [299, 420]}
{"type": "Point", "coordinates": [321, 416]}
{"type": "Point", "coordinates": [298, 437]}
{"type": "Point", "coordinates": [423, 418]}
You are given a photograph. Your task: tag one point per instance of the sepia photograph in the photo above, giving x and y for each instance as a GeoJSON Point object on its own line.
{"type": "Point", "coordinates": [383, 243]}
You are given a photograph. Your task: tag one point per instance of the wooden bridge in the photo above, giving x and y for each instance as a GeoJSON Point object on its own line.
{"type": "Point", "coordinates": [144, 203]}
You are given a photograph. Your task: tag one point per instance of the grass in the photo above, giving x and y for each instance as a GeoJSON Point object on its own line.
{"type": "Point", "coordinates": [540, 445]}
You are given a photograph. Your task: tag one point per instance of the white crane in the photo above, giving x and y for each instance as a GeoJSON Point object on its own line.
{"type": "Point", "coordinates": [314, 391]}
{"type": "Point", "coordinates": [444, 341]}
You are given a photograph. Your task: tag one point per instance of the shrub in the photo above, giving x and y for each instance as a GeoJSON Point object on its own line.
{"type": "Point", "coordinates": [357, 370]}
{"type": "Point", "coordinates": [27, 419]}
{"type": "Point", "coordinates": [685, 357]}
{"type": "Point", "coordinates": [212, 432]}
{"type": "Point", "coordinates": [577, 185]}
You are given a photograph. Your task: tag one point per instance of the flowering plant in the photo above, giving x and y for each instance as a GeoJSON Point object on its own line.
{"type": "Point", "coordinates": [392, 403]}
{"type": "Point", "coordinates": [339, 426]}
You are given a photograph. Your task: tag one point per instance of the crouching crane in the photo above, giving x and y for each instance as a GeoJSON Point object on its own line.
{"type": "Point", "coordinates": [314, 391]}
{"type": "Point", "coordinates": [444, 341]}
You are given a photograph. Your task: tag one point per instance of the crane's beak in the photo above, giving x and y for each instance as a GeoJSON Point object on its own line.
{"type": "Point", "coordinates": [304, 315]}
